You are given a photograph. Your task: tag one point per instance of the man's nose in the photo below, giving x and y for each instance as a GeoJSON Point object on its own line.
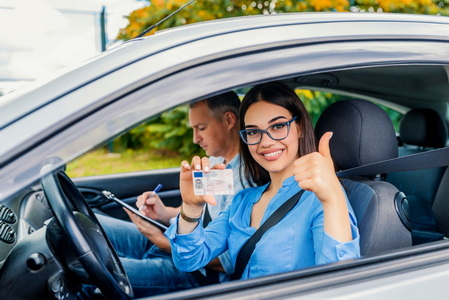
{"type": "Point", "coordinates": [196, 137]}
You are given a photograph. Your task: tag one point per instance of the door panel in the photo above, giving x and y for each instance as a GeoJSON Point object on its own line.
{"type": "Point", "coordinates": [127, 186]}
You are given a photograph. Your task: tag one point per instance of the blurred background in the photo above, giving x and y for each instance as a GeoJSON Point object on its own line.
{"type": "Point", "coordinates": [40, 38]}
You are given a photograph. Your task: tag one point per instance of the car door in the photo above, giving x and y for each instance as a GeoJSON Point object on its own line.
{"type": "Point", "coordinates": [127, 186]}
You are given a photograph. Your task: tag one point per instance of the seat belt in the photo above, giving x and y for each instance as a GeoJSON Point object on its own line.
{"type": "Point", "coordinates": [207, 218]}
{"type": "Point", "coordinates": [248, 248]}
{"type": "Point", "coordinates": [424, 160]}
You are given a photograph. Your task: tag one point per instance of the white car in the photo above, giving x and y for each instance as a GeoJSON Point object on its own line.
{"type": "Point", "coordinates": [397, 60]}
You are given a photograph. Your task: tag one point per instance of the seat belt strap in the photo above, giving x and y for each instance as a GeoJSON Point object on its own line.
{"type": "Point", "coordinates": [207, 218]}
{"type": "Point", "coordinates": [248, 248]}
{"type": "Point", "coordinates": [424, 160]}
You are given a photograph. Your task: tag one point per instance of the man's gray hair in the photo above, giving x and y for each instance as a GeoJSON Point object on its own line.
{"type": "Point", "coordinates": [220, 104]}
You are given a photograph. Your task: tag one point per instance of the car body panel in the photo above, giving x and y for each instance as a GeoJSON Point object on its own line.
{"type": "Point", "coordinates": [358, 55]}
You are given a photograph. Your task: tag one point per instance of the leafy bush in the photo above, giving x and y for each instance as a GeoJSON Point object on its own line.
{"type": "Point", "coordinates": [203, 10]}
{"type": "Point", "coordinates": [168, 133]}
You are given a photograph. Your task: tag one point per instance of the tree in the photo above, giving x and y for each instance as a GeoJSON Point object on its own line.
{"type": "Point", "coordinates": [426, 7]}
{"type": "Point", "coordinates": [203, 10]}
{"type": "Point", "coordinates": [169, 131]}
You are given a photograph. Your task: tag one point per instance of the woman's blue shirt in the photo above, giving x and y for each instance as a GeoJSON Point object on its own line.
{"type": "Point", "coordinates": [297, 241]}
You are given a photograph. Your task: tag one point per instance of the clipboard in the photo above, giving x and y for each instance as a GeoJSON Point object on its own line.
{"type": "Point", "coordinates": [111, 196]}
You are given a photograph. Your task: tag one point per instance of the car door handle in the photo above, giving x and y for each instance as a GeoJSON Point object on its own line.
{"type": "Point", "coordinates": [93, 197]}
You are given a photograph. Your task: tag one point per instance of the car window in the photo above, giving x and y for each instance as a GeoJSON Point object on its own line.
{"type": "Point", "coordinates": [159, 143]}
{"type": "Point", "coordinates": [394, 115]}
{"type": "Point", "coordinates": [164, 141]}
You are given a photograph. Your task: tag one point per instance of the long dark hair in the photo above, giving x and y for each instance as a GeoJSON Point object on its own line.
{"type": "Point", "coordinates": [280, 94]}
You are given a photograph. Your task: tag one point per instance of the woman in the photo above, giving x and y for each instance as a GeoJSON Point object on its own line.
{"type": "Point", "coordinates": [280, 156]}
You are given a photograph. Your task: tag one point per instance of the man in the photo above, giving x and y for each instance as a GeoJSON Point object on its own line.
{"type": "Point", "coordinates": [145, 254]}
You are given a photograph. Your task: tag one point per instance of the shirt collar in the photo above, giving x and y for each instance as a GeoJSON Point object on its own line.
{"type": "Point", "coordinates": [234, 163]}
{"type": "Point", "coordinates": [288, 181]}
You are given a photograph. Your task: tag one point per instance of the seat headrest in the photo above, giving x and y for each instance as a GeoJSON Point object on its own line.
{"type": "Point", "coordinates": [423, 127]}
{"type": "Point", "coordinates": [363, 133]}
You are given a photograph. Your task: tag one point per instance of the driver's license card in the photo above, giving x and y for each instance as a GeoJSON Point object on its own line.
{"type": "Point", "coordinates": [215, 182]}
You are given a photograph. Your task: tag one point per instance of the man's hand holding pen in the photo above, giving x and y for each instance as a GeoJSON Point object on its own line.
{"type": "Point", "coordinates": [150, 194]}
{"type": "Point", "coordinates": [151, 205]}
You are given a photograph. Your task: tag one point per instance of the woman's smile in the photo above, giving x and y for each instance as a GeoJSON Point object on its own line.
{"type": "Point", "coordinates": [272, 154]}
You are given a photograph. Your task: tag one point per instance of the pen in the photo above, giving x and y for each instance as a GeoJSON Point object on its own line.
{"type": "Point", "coordinates": [156, 189]}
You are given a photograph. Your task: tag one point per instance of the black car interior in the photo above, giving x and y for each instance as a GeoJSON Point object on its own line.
{"type": "Point", "coordinates": [363, 134]}
{"type": "Point", "coordinates": [440, 205]}
{"type": "Point", "coordinates": [421, 130]}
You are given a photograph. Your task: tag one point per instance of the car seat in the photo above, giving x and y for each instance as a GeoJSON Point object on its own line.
{"type": "Point", "coordinates": [440, 205]}
{"type": "Point", "coordinates": [421, 130]}
{"type": "Point", "coordinates": [363, 134]}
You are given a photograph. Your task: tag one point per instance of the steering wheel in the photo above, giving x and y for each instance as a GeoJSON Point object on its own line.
{"type": "Point", "coordinates": [85, 241]}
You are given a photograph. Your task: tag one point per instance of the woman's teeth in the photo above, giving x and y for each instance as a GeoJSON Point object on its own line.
{"type": "Point", "coordinates": [273, 153]}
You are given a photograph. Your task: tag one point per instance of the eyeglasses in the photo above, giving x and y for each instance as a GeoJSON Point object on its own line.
{"type": "Point", "coordinates": [278, 131]}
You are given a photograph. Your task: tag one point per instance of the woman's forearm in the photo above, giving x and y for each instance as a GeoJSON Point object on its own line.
{"type": "Point", "coordinates": [336, 219]}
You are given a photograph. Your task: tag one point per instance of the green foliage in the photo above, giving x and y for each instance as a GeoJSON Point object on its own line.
{"type": "Point", "coordinates": [172, 131]}
{"type": "Point", "coordinates": [395, 117]}
{"type": "Point", "coordinates": [203, 10]}
{"type": "Point", "coordinates": [315, 102]}
{"type": "Point", "coordinates": [426, 7]}
{"type": "Point", "coordinates": [168, 133]}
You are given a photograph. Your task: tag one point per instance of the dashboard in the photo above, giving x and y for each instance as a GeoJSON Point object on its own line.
{"type": "Point", "coordinates": [17, 222]}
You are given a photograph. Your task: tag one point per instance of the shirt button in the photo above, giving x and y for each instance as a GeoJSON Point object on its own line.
{"type": "Point", "coordinates": [341, 253]}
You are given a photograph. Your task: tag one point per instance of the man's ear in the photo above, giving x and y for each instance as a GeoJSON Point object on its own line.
{"type": "Point", "coordinates": [229, 119]}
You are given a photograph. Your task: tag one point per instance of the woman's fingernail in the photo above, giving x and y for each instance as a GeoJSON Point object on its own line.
{"type": "Point", "coordinates": [206, 169]}
{"type": "Point", "coordinates": [197, 166]}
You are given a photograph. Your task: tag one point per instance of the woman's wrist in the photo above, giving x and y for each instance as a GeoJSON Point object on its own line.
{"type": "Point", "coordinates": [191, 213]}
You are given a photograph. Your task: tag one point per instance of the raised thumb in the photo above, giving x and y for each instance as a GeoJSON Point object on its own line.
{"type": "Point", "coordinates": [323, 146]}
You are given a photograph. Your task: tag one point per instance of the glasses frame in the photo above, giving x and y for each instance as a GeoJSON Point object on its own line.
{"type": "Point", "coordinates": [262, 131]}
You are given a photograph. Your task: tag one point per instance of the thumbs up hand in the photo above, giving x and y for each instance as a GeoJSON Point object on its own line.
{"type": "Point", "coordinates": [315, 172]}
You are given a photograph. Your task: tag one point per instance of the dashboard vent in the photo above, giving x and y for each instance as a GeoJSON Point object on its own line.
{"type": "Point", "coordinates": [6, 233]}
{"type": "Point", "coordinates": [7, 215]}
